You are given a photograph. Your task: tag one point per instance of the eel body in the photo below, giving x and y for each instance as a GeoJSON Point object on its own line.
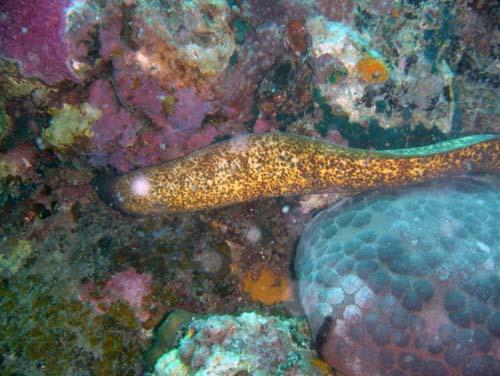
{"type": "Point", "coordinates": [251, 167]}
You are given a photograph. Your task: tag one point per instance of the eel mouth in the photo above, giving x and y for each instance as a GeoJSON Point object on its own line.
{"type": "Point", "coordinates": [104, 185]}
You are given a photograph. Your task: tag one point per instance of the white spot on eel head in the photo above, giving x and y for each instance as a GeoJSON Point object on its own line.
{"type": "Point", "coordinates": [140, 186]}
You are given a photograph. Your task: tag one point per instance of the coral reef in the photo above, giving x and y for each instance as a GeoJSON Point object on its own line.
{"type": "Point", "coordinates": [59, 334]}
{"type": "Point", "coordinates": [172, 92]}
{"type": "Point", "coordinates": [17, 171]}
{"type": "Point", "coordinates": [128, 287]}
{"type": "Point", "coordinates": [406, 282]}
{"type": "Point", "coordinates": [248, 343]}
{"type": "Point", "coordinates": [372, 70]}
{"type": "Point", "coordinates": [352, 76]}
{"type": "Point", "coordinates": [89, 269]}
{"type": "Point", "coordinates": [91, 86]}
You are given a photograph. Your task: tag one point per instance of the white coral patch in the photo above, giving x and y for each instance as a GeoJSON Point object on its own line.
{"type": "Point", "coordinates": [351, 284]}
{"type": "Point", "coordinates": [364, 297]}
{"type": "Point", "coordinates": [336, 39]}
{"type": "Point", "coordinates": [335, 295]}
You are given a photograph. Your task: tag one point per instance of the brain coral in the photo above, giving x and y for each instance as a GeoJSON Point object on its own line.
{"type": "Point", "coordinates": [406, 283]}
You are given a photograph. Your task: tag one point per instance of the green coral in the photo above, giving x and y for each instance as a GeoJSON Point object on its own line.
{"type": "Point", "coordinates": [70, 124]}
{"type": "Point", "coordinates": [46, 330]}
{"type": "Point", "coordinates": [13, 254]}
{"type": "Point", "coordinates": [10, 188]}
{"type": "Point", "coordinates": [5, 122]}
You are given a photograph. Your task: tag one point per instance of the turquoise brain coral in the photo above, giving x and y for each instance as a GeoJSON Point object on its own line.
{"type": "Point", "coordinates": [406, 282]}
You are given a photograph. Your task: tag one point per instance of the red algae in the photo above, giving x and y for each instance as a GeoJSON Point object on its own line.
{"type": "Point", "coordinates": [33, 35]}
{"type": "Point", "coordinates": [296, 37]}
{"type": "Point", "coordinates": [128, 286]}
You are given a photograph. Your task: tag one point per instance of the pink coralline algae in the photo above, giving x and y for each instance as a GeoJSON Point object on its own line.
{"type": "Point", "coordinates": [168, 83]}
{"type": "Point", "coordinates": [150, 112]}
{"type": "Point", "coordinates": [115, 131]}
{"type": "Point", "coordinates": [121, 140]}
{"type": "Point", "coordinates": [127, 286]}
{"type": "Point", "coordinates": [116, 128]}
{"type": "Point", "coordinates": [189, 110]}
{"type": "Point", "coordinates": [20, 161]}
{"type": "Point", "coordinates": [33, 34]}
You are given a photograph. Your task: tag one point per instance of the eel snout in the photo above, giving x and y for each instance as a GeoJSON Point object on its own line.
{"type": "Point", "coordinates": [104, 185]}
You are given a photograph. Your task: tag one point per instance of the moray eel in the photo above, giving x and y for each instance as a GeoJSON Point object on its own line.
{"type": "Point", "coordinates": [255, 166]}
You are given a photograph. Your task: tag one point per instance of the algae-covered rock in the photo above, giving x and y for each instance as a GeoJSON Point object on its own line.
{"type": "Point", "coordinates": [248, 344]}
{"type": "Point", "coordinates": [13, 84]}
{"type": "Point", "coordinates": [5, 122]}
{"type": "Point", "coordinates": [207, 40]}
{"type": "Point", "coordinates": [71, 124]}
{"type": "Point", "coordinates": [166, 336]}
{"type": "Point", "coordinates": [13, 254]}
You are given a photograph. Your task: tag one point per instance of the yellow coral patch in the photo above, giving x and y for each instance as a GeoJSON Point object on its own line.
{"type": "Point", "coordinates": [372, 70]}
{"type": "Point", "coordinates": [69, 124]}
{"type": "Point", "coordinates": [268, 288]}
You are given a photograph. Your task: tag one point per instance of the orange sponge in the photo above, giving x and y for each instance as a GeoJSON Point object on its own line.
{"type": "Point", "coordinates": [268, 288]}
{"type": "Point", "coordinates": [372, 70]}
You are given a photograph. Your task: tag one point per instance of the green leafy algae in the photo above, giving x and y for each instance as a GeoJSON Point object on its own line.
{"type": "Point", "coordinates": [5, 122]}
{"type": "Point", "coordinates": [70, 124]}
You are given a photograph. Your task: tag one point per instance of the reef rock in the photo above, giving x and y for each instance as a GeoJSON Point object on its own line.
{"type": "Point", "coordinates": [245, 344]}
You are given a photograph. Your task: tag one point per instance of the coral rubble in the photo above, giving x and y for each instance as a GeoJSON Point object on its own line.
{"type": "Point", "coordinates": [223, 345]}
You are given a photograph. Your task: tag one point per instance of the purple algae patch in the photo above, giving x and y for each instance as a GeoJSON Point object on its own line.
{"type": "Point", "coordinates": [33, 35]}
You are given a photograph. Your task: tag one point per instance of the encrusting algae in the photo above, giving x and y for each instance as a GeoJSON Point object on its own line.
{"type": "Point", "coordinates": [252, 167]}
